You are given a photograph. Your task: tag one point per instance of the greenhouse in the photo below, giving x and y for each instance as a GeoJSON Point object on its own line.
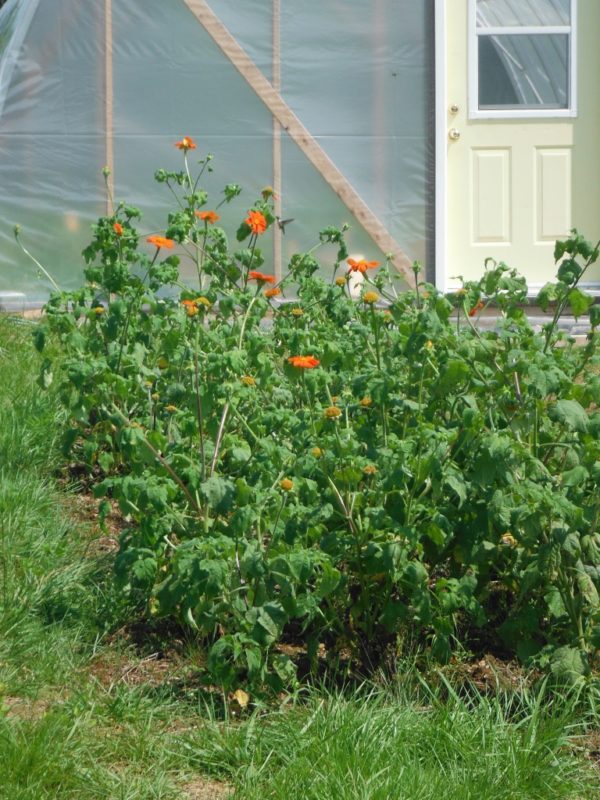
{"type": "Point", "coordinates": [443, 132]}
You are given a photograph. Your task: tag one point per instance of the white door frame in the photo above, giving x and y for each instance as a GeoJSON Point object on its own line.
{"type": "Point", "coordinates": [441, 150]}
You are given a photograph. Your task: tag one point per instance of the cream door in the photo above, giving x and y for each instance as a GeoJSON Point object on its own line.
{"type": "Point", "coordinates": [522, 132]}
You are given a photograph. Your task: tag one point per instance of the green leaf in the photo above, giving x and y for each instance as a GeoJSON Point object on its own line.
{"type": "Point", "coordinates": [39, 338]}
{"type": "Point", "coordinates": [579, 302]}
{"type": "Point", "coordinates": [568, 272]}
{"type": "Point", "coordinates": [458, 485]}
{"type": "Point", "coordinates": [456, 373]}
{"type": "Point", "coordinates": [219, 493]}
{"type": "Point", "coordinates": [328, 581]}
{"type": "Point", "coordinates": [548, 294]}
{"type": "Point", "coordinates": [575, 476]}
{"type": "Point", "coordinates": [570, 413]}
{"type": "Point", "coordinates": [569, 665]}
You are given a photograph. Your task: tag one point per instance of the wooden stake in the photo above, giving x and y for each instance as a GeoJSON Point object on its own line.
{"type": "Point", "coordinates": [301, 136]}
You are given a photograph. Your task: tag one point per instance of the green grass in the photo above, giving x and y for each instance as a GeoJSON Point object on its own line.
{"type": "Point", "coordinates": [66, 734]}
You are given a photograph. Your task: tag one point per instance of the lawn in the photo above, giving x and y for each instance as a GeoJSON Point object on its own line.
{"type": "Point", "coordinates": [95, 706]}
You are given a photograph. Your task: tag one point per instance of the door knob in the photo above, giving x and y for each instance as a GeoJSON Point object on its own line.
{"type": "Point", "coordinates": [454, 134]}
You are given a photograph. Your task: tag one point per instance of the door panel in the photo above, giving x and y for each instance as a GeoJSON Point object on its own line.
{"type": "Point", "coordinates": [553, 192]}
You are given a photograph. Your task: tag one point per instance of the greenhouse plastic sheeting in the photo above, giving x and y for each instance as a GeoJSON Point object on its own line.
{"type": "Point", "coordinates": [358, 76]}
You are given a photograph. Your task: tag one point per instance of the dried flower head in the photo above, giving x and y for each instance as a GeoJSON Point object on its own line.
{"type": "Point", "coordinates": [316, 452]}
{"type": "Point", "coordinates": [98, 310]}
{"type": "Point", "coordinates": [370, 469]}
{"type": "Point", "coordinates": [340, 281]}
{"type": "Point", "coordinates": [365, 402]}
{"type": "Point", "coordinates": [248, 380]}
{"type": "Point", "coordinates": [332, 412]}
{"type": "Point", "coordinates": [286, 484]}
{"type": "Point", "coordinates": [476, 308]}
{"type": "Point", "coordinates": [297, 312]}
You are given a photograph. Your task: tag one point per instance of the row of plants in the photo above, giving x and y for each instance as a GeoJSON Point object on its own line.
{"type": "Point", "coordinates": [298, 466]}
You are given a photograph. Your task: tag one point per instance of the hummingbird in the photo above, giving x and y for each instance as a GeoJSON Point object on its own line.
{"type": "Point", "coordinates": [283, 222]}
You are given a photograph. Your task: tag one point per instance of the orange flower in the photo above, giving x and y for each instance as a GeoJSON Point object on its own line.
{"type": "Point", "coordinates": [210, 217]}
{"type": "Point", "coordinates": [477, 307]}
{"type": "Point", "coordinates": [370, 297]}
{"type": "Point", "coordinates": [365, 402]}
{"type": "Point", "coordinates": [255, 275]}
{"type": "Point", "coordinates": [118, 229]}
{"type": "Point", "coordinates": [273, 292]}
{"type": "Point", "coordinates": [161, 241]}
{"type": "Point", "coordinates": [248, 380]}
{"type": "Point", "coordinates": [332, 412]}
{"type": "Point", "coordinates": [256, 222]}
{"type": "Point", "coordinates": [304, 362]}
{"type": "Point", "coordinates": [362, 265]}
{"type": "Point", "coordinates": [191, 308]}
{"type": "Point", "coordinates": [370, 469]}
{"type": "Point", "coordinates": [187, 143]}
{"type": "Point", "coordinates": [286, 484]}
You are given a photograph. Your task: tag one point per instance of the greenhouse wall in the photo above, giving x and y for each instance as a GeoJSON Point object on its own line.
{"type": "Point", "coordinates": [331, 102]}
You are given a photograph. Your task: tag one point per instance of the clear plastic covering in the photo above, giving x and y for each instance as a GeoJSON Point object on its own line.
{"type": "Point", "coordinates": [81, 83]}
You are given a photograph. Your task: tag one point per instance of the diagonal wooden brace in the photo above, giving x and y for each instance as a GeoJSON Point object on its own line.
{"type": "Point", "coordinates": [300, 134]}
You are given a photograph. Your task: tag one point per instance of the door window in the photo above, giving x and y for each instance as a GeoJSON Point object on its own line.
{"type": "Point", "coordinates": [522, 59]}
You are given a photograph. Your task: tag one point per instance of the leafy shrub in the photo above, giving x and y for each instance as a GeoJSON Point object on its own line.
{"type": "Point", "coordinates": [331, 470]}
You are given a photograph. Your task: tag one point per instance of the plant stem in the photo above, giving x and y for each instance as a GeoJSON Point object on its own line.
{"type": "Point", "coordinates": [35, 261]}
{"type": "Point", "coordinates": [164, 463]}
{"type": "Point", "coordinates": [199, 403]}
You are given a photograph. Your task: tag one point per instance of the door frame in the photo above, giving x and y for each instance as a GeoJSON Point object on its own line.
{"type": "Point", "coordinates": [441, 152]}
